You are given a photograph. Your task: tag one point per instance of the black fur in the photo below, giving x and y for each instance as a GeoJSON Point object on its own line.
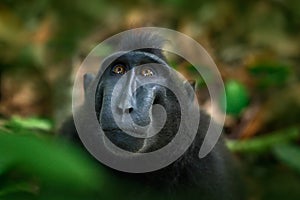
{"type": "Point", "coordinates": [140, 38]}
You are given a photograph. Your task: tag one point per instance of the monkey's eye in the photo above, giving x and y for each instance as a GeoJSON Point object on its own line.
{"type": "Point", "coordinates": [147, 72]}
{"type": "Point", "coordinates": [119, 69]}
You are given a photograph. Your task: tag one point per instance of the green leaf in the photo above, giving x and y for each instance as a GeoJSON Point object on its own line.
{"type": "Point", "coordinates": [51, 161]}
{"type": "Point", "coordinates": [270, 74]}
{"type": "Point", "coordinates": [18, 187]}
{"type": "Point", "coordinates": [235, 99]}
{"type": "Point", "coordinates": [288, 154]}
{"type": "Point", "coordinates": [30, 123]}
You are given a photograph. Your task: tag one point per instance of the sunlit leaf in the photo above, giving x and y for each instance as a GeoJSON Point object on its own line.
{"type": "Point", "coordinates": [31, 123]}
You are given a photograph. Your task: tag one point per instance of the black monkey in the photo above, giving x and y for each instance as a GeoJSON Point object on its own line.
{"type": "Point", "coordinates": [212, 177]}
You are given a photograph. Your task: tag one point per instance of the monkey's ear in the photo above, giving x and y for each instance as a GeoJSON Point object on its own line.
{"type": "Point", "coordinates": [87, 79]}
{"type": "Point", "coordinates": [193, 84]}
{"type": "Point", "coordinates": [191, 92]}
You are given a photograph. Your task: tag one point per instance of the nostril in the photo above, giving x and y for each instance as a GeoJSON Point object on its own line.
{"type": "Point", "coordinates": [125, 110]}
{"type": "Point", "coordinates": [130, 110]}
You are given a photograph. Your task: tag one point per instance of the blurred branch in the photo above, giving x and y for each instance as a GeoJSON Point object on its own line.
{"type": "Point", "coordinates": [263, 143]}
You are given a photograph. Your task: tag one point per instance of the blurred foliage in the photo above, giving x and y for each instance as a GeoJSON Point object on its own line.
{"type": "Point", "coordinates": [270, 75]}
{"type": "Point", "coordinates": [264, 143]}
{"type": "Point", "coordinates": [17, 123]}
{"type": "Point", "coordinates": [289, 155]}
{"type": "Point", "coordinates": [235, 99]}
{"type": "Point", "coordinates": [255, 44]}
{"type": "Point", "coordinates": [31, 162]}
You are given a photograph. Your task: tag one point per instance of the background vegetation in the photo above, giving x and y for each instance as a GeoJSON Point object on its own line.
{"type": "Point", "coordinates": [255, 44]}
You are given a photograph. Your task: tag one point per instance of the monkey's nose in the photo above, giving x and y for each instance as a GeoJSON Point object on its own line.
{"type": "Point", "coordinates": [126, 105]}
{"type": "Point", "coordinates": [130, 110]}
{"type": "Point", "coordinates": [125, 110]}
{"type": "Point", "coordinates": [127, 100]}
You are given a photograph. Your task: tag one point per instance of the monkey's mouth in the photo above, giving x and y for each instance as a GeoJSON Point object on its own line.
{"type": "Point", "coordinates": [127, 131]}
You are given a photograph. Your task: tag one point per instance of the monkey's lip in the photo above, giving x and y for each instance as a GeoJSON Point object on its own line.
{"type": "Point", "coordinates": [124, 131]}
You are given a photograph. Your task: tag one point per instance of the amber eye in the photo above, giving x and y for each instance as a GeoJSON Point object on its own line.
{"type": "Point", "coordinates": [119, 69]}
{"type": "Point", "coordinates": [147, 72]}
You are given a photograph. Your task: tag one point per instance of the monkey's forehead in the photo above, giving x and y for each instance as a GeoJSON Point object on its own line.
{"type": "Point", "coordinates": [127, 55]}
